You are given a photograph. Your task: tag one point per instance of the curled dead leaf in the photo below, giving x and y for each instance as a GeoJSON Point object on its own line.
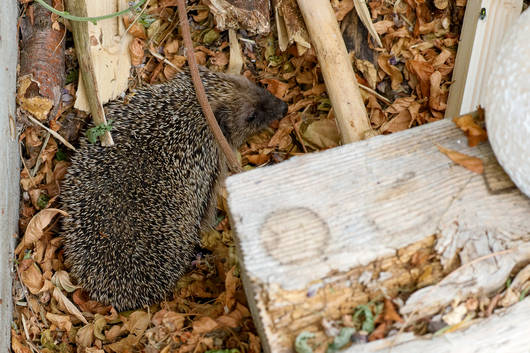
{"type": "Point", "coordinates": [136, 51]}
{"type": "Point", "coordinates": [68, 305]}
{"type": "Point", "coordinates": [277, 88]}
{"type": "Point", "coordinates": [204, 324]}
{"type": "Point", "coordinates": [475, 134]}
{"type": "Point", "coordinates": [85, 336]}
{"type": "Point", "coordinates": [473, 164]}
{"type": "Point", "coordinates": [31, 276]}
{"type": "Point", "coordinates": [35, 228]}
{"type": "Point", "coordinates": [61, 321]}
{"type": "Point", "coordinates": [322, 134]}
{"type": "Point", "coordinates": [62, 279]}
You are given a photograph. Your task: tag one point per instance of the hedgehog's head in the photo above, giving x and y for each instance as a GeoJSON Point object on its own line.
{"type": "Point", "coordinates": [242, 108]}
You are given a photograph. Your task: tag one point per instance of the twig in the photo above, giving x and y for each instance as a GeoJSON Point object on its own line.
{"type": "Point", "coordinates": [374, 92]}
{"type": "Point", "coordinates": [94, 20]}
{"type": "Point", "coordinates": [135, 20]}
{"type": "Point", "coordinates": [201, 93]}
{"type": "Point", "coordinates": [24, 164]}
{"type": "Point", "coordinates": [163, 59]}
{"type": "Point", "coordinates": [54, 134]}
{"type": "Point", "coordinates": [38, 163]}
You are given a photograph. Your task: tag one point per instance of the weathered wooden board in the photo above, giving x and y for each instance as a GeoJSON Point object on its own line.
{"type": "Point", "coordinates": [485, 23]}
{"type": "Point", "coordinates": [322, 233]}
{"type": "Point", "coordinates": [504, 332]}
{"type": "Point", "coordinates": [9, 163]}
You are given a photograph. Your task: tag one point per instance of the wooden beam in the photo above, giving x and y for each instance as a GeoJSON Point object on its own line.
{"type": "Point", "coordinates": [9, 161]}
{"type": "Point", "coordinates": [350, 112]}
{"type": "Point", "coordinates": [481, 35]}
{"type": "Point", "coordinates": [322, 233]}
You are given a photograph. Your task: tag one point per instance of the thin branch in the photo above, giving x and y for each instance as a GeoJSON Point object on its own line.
{"type": "Point", "coordinates": [54, 134]}
{"type": "Point", "coordinates": [201, 93]}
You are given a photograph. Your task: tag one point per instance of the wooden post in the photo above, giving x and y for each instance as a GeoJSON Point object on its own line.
{"type": "Point", "coordinates": [350, 112]}
{"type": "Point", "coordinates": [9, 163]}
{"type": "Point", "coordinates": [485, 23]}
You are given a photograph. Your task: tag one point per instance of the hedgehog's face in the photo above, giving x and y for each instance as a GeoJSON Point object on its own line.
{"type": "Point", "coordinates": [251, 109]}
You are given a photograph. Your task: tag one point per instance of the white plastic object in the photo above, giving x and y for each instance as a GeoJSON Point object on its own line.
{"type": "Point", "coordinates": [508, 103]}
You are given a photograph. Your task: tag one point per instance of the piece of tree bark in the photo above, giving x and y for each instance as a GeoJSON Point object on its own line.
{"type": "Point", "coordinates": [350, 112]}
{"type": "Point", "coordinates": [290, 25]}
{"type": "Point", "coordinates": [251, 15]}
{"type": "Point", "coordinates": [42, 72]}
{"type": "Point", "coordinates": [355, 37]}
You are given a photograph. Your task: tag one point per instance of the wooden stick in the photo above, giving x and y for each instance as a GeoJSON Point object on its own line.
{"type": "Point", "coordinates": [350, 112]}
{"type": "Point", "coordinates": [201, 93]}
{"type": "Point", "coordinates": [86, 66]}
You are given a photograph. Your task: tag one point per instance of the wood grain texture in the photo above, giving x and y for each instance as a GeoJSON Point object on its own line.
{"type": "Point", "coordinates": [350, 112]}
{"type": "Point", "coordinates": [479, 40]}
{"type": "Point", "coordinates": [312, 228]}
{"type": "Point", "coordinates": [9, 161]}
{"type": "Point", "coordinates": [103, 55]}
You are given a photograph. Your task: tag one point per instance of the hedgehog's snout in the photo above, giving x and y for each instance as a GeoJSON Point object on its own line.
{"type": "Point", "coordinates": [275, 107]}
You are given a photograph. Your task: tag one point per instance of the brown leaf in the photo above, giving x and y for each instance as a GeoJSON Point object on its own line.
{"type": "Point", "coordinates": [36, 105]}
{"type": "Point", "coordinates": [341, 8]}
{"type": "Point", "coordinates": [382, 27]}
{"type": "Point", "coordinates": [258, 159]}
{"type": "Point", "coordinates": [400, 104]}
{"type": "Point", "coordinates": [474, 164]}
{"type": "Point", "coordinates": [35, 228]}
{"type": "Point", "coordinates": [231, 284]}
{"type": "Point", "coordinates": [475, 134]}
{"type": "Point", "coordinates": [423, 71]}
{"type": "Point", "coordinates": [220, 59]}
{"type": "Point", "coordinates": [436, 99]}
{"type": "Point", "coordinates": [113, 333]}
{"type": "Point", "coordinates": [204, 324]}
{"type": "Point", "coordinates": [395, 74]}
{"type": "Point", "coordinates": [85, 336]}
{"type": "Point", "coordinates": [322, 134]}
{"type": "Point", "coordinates": [62, 322]}
{"type": "Point", "coordinates": [137, 323]}
{"type": "Point", "coordinates": [31, 276]}
{"type": "Point", "coordinates": [277, 88]}
{"type": "Point", "coordinates": [378, 333]}
{"type": "Point", "coordinates": [390, 312]}
{"type": "Point", "coordinates": [136, 51]}
{"type": "Point", "coordinates": [171, 47]}
{"type": "Point", "coordinates": [62, 280]}
{"type": "Point", "coordinates": [400, 122]}
{"type": "Point", "coordinates": [16, 345]}
{"type": "Point", "coordinates": [68, 305]}
{"type": "Point", "coordinates": [123, 345]}
{"type": "Point", "coordinates": [254, 345]}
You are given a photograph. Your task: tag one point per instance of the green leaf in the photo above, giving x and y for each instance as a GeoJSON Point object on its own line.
{"type": "Point", "coordinates": [42, 201]}
{"type": "Point", "coordinates": [92, 134]}
{"type": "Point", "coordinates": [60, 155]}
{"type": "Point", "coordinates": [301, 345]}
{"type": "Point", "coordinates": [342, 339]}
{"type": "Point", "coordinates": [368, 323]}
{"type": "Point", "coordinates": [72, 76]}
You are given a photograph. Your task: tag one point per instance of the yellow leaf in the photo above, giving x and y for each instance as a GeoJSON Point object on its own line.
{"type": "Point", "coordinates": [61, 321]}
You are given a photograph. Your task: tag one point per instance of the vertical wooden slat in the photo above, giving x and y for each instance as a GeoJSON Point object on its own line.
{"type": "Point", "coordinates": [9, 162]}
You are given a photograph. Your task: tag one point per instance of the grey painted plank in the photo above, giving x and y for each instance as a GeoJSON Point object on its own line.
{"type": "Point", "coordinates": [9, 162]}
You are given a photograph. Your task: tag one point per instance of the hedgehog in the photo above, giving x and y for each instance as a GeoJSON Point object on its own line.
{"type": "Point", "coordinates": [136, 209]}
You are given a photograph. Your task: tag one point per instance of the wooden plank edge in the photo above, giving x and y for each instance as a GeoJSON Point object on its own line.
{"type": "Point", "coordinates": [9, 160]}
{"type": "Point", "coordinates": [504, 332]}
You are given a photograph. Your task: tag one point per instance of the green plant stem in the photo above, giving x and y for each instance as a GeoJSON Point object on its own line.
{"type": "Point", "coordinates": [94, 20]}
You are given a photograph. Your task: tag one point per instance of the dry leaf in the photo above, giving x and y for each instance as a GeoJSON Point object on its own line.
{"type": "Point", "coordinates": [254, 345]}
{"type": "Point", "coordinates": [395, 74]}
{"type": "Point", "coordinates": [474, 164]}
{"type": "Point", "coordinates": [390, 312]}
{"type": "Point", "coordinates": [35, 228]}
{"type": "Point", "coordinates": [85, 336]}
{"type": "Point", "coordinates": [113, 333]}
{"type": "Point", "coordinates": [68, 305]}
{"type": "Point", "coordinates": [400, 122]}
{"type": "Point", "coordinates": [436, 99]}
{"type": "Point", "coordinates": [341, 8]}
{"type": "Point", "coordinates": [62, 322]}
{"type": "Point", "coordinates": [277, 88]}
{"type": "Point", "coordinates": [31, 276]}
{"type": "Point", "coordinates": [322, 134]}
{"type": "Point", "coordinates": [123, 345]}
{"type": "Point", "coordinates": [220, 59]}
{"type": "Point", "coordinates": [475, 134]}
{"type": "Point", "coordinates": [136, 51]}
{"type": "Point", "coordinates": [171, 47]}
{"type": "Point", "coordinates": [38, 106]}
{"type": "Point", "coordinates": [16, 345]}
{"type": "Point", "coordinates": [204, 324]}
{"type": "Point", "coordinates": [231, 284]}
{"type": "Point", "coordinates": [137, 323]}
{"type": "Point", "coordinates": [62, 279]}
{"type": "Point", "coordinates": [378, 333]}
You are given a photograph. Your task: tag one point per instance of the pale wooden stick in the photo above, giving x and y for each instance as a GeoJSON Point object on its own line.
{"type": "Point", "coordinates": [54, 134]}
{"type": "Point", "coordinates": [350, 112]}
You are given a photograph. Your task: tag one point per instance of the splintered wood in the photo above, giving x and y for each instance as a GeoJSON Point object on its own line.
{"type": "Point", "coordinates": [322, 233]}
